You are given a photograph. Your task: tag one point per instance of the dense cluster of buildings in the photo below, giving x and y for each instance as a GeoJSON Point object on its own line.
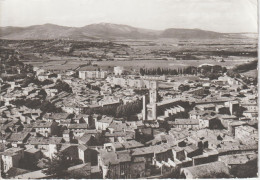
{"type": "Point", "coordinates": [207, 131]}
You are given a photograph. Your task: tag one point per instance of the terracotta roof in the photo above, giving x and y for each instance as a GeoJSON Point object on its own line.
{"type": "Point", "coordinates": [209, 170]}
{"type": "Point", "coordinates": [43, 124]}
{"type": "Point", "coordinates": [85, 138]}
{"type": "Point", "coordinates": [151, 149]}
{"type": "Point", "coordinates": [186, 122]}
{"type": "Point", "coordinates": [237, 158]}
{"type": "Point", "coordinates": [132, 144]}
{"type": "Point", "coordinates": [78, 126]}
{"type": "Point", "coordinates": [11, 152]}
{"type": "Point", "coordinates": [82, 147]}
{"type": "Point", "coordinates": [17, 137]}
{"type": "Point", "coordinates": [13, 171]}
{"type": "Point", "coordinates": [45, 141]}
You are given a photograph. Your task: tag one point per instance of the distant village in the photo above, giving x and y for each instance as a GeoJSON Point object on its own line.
{"type": "Point", "coordinates": [198, 122]}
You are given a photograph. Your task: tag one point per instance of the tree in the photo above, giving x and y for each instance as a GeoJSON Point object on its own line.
{"type": "Point", "coordinates": [47, 106]}
{"type": "Point", "coordinates": [129, 109]}
{"type": "Point", "coordinates": [62, 86]}
{"type": "Point", "coordinates": [224, 110]}
{"type": "Point", "coordinates": [29, 80]}
{"type": "Point", "coordinates": [244, 87]}
{"type": "Point", "coordinates": [33, 103]}
{"type": "Point", "coordinates": [239, 112]}
{"type": "Point", "coordinates": [183, 87]}
{"type": "Point", "coordinates": [46, 82]}
{"type": "Point", "coordinates": [42, 93]}
{"type": "Point", "coordinates": [53, 75]}
{"type": "Point", "coordinates": [29, 163]}
{"type": "Point", "coordinates": [58, 165]}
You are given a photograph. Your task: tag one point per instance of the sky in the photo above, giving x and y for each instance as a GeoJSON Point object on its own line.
{"type": "Point", "coordinates": [215, 15]}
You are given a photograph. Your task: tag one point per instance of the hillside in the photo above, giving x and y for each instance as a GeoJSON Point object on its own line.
{"type": "Point", "coordinates": [103, 31]}
{"type": "Point", "coordinates": [190, 34]}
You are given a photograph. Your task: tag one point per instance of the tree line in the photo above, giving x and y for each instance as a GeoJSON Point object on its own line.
{"type": "Point", "coordinates": [168, 71]}
{"type": "Point", "coordinates": [93, 87]}
{"type": "Point", "coordinates": [43, 105]}
{"type": "Point", "coordinates": [210, 71]}
{"type": "Point", "coordinates": [123, 110]}
{"type": "Point", "coordinates": [235, 72]}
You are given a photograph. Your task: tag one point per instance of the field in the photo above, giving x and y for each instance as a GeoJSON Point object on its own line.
{"type": "Point", "coordinates": [73, 63]}
{"type": "Point", "coordinates": [133, 55]}
{"type": "Point", "coordinates": [170, 64]}
{"type": "Point", "coordinates": [57, 63]}
{"type": "Point", "coordinates": [251, 73]}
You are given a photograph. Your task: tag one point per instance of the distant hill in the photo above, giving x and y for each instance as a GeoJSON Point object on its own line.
{"type": "Point", "coordinates": [191, 34]}
{"type": "Point", "coordinates": [106, 30]}
{"type": "Point", "coordinates": [103, 31]}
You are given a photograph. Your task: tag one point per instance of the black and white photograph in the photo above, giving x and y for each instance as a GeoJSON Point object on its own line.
{"type": "Point", "coordinates": [129, 89]}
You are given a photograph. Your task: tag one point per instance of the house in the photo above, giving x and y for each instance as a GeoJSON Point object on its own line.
{"type": "Point", "coordinates": [103, 123]}
{"type": "Point", "coordinates": [81, 119]}
{"type": "Point", "coordinates": [137, 168]}
{"type": "Point", "coordinates": [51, 92]}
{"type": "Point", "coordinates": [88, 154]}
{"type": "Point", "coordinates": [114, 146]}
{"type": "Point", "coordinates": [78, 129]}
{"type": "Point", "coordinates": [118, 164]}
{"type": "Point", "coordinates": [14, 125]}
{"type": "Point", "coordinates": [209, 170]}
{"type": "Point", "coordinates": [205, 107]}
{"type": "Point", "coordinates": [178, 153]}
{"type": "Point", "coordinates": [14, 171]}
{"type": "Point", "coordinates": [2, 147]}
{"type": "Point", "coordinates": [46, 128]}
{"type": "Point", "coordinates": [186, 123]}
{"type": "Point", "coordinates": [82, 151]}
{"type": "Point", "coordinates": [31, 156]}
{"type": "Point", "coordinates": [118, 136]}
{"type": "Point", "coordinates": [88, 138]}
{"type": "Point", "coordinates": [132, 144]}
{"type": "Point", "coordinates": [70, 151]}
{"type": "Point", "coordinates": [197, 114]}
{"type": "Point", "coordinates": [33, 113]}
{"type": "Point", "coordinates": [208, 156]}
{"type": "Point", "coordinates": [253, 115]}
{"type": "Point", "coordinates": [33, 175]}
{"type": "Point", "coordinates": [12, 157]}
{"type": "Point", "coordinates": [250, 106]}
{"type": "Point", "coordinates": [67, 135]}
{"type": "Point", "coordinates": [43, 76]}
{"type": "Point", "coordinates": [192, 150]}
{"type": "Point", "coordinates": [245, 133]}
{"type": "Point", "coordinates": [232, 105]}
{"type": "Point", "coordinates": [18, 139]}
{"type": "Point", "coordinates": [82, 170]}
{"type": "Point", "coordinates": [151, 153]}
{"type": "Point", "coordinates": [58, 117]}
{"type": "Point", "coordinates": [117, 126]}
{"type": "Point", "coordinates": [4, 136]}
{"type": "Point", "coordinates": [118, 70]}
{"type": "Point", "coordinates": [210, 123]}
{"type": "Point", "coordinates": [38, 70]}
{"type": "Point", "coordinates": [241, 165]}
{"type": "Point", "coordinates": [48, 145]}
{"type": "Point", "coordinates": [71, 108]}
{"type": "Point", "coordinates": [92, 74]}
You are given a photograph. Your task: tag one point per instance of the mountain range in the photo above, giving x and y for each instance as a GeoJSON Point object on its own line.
{"type": "Point", "coordinates": [105, 31]}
